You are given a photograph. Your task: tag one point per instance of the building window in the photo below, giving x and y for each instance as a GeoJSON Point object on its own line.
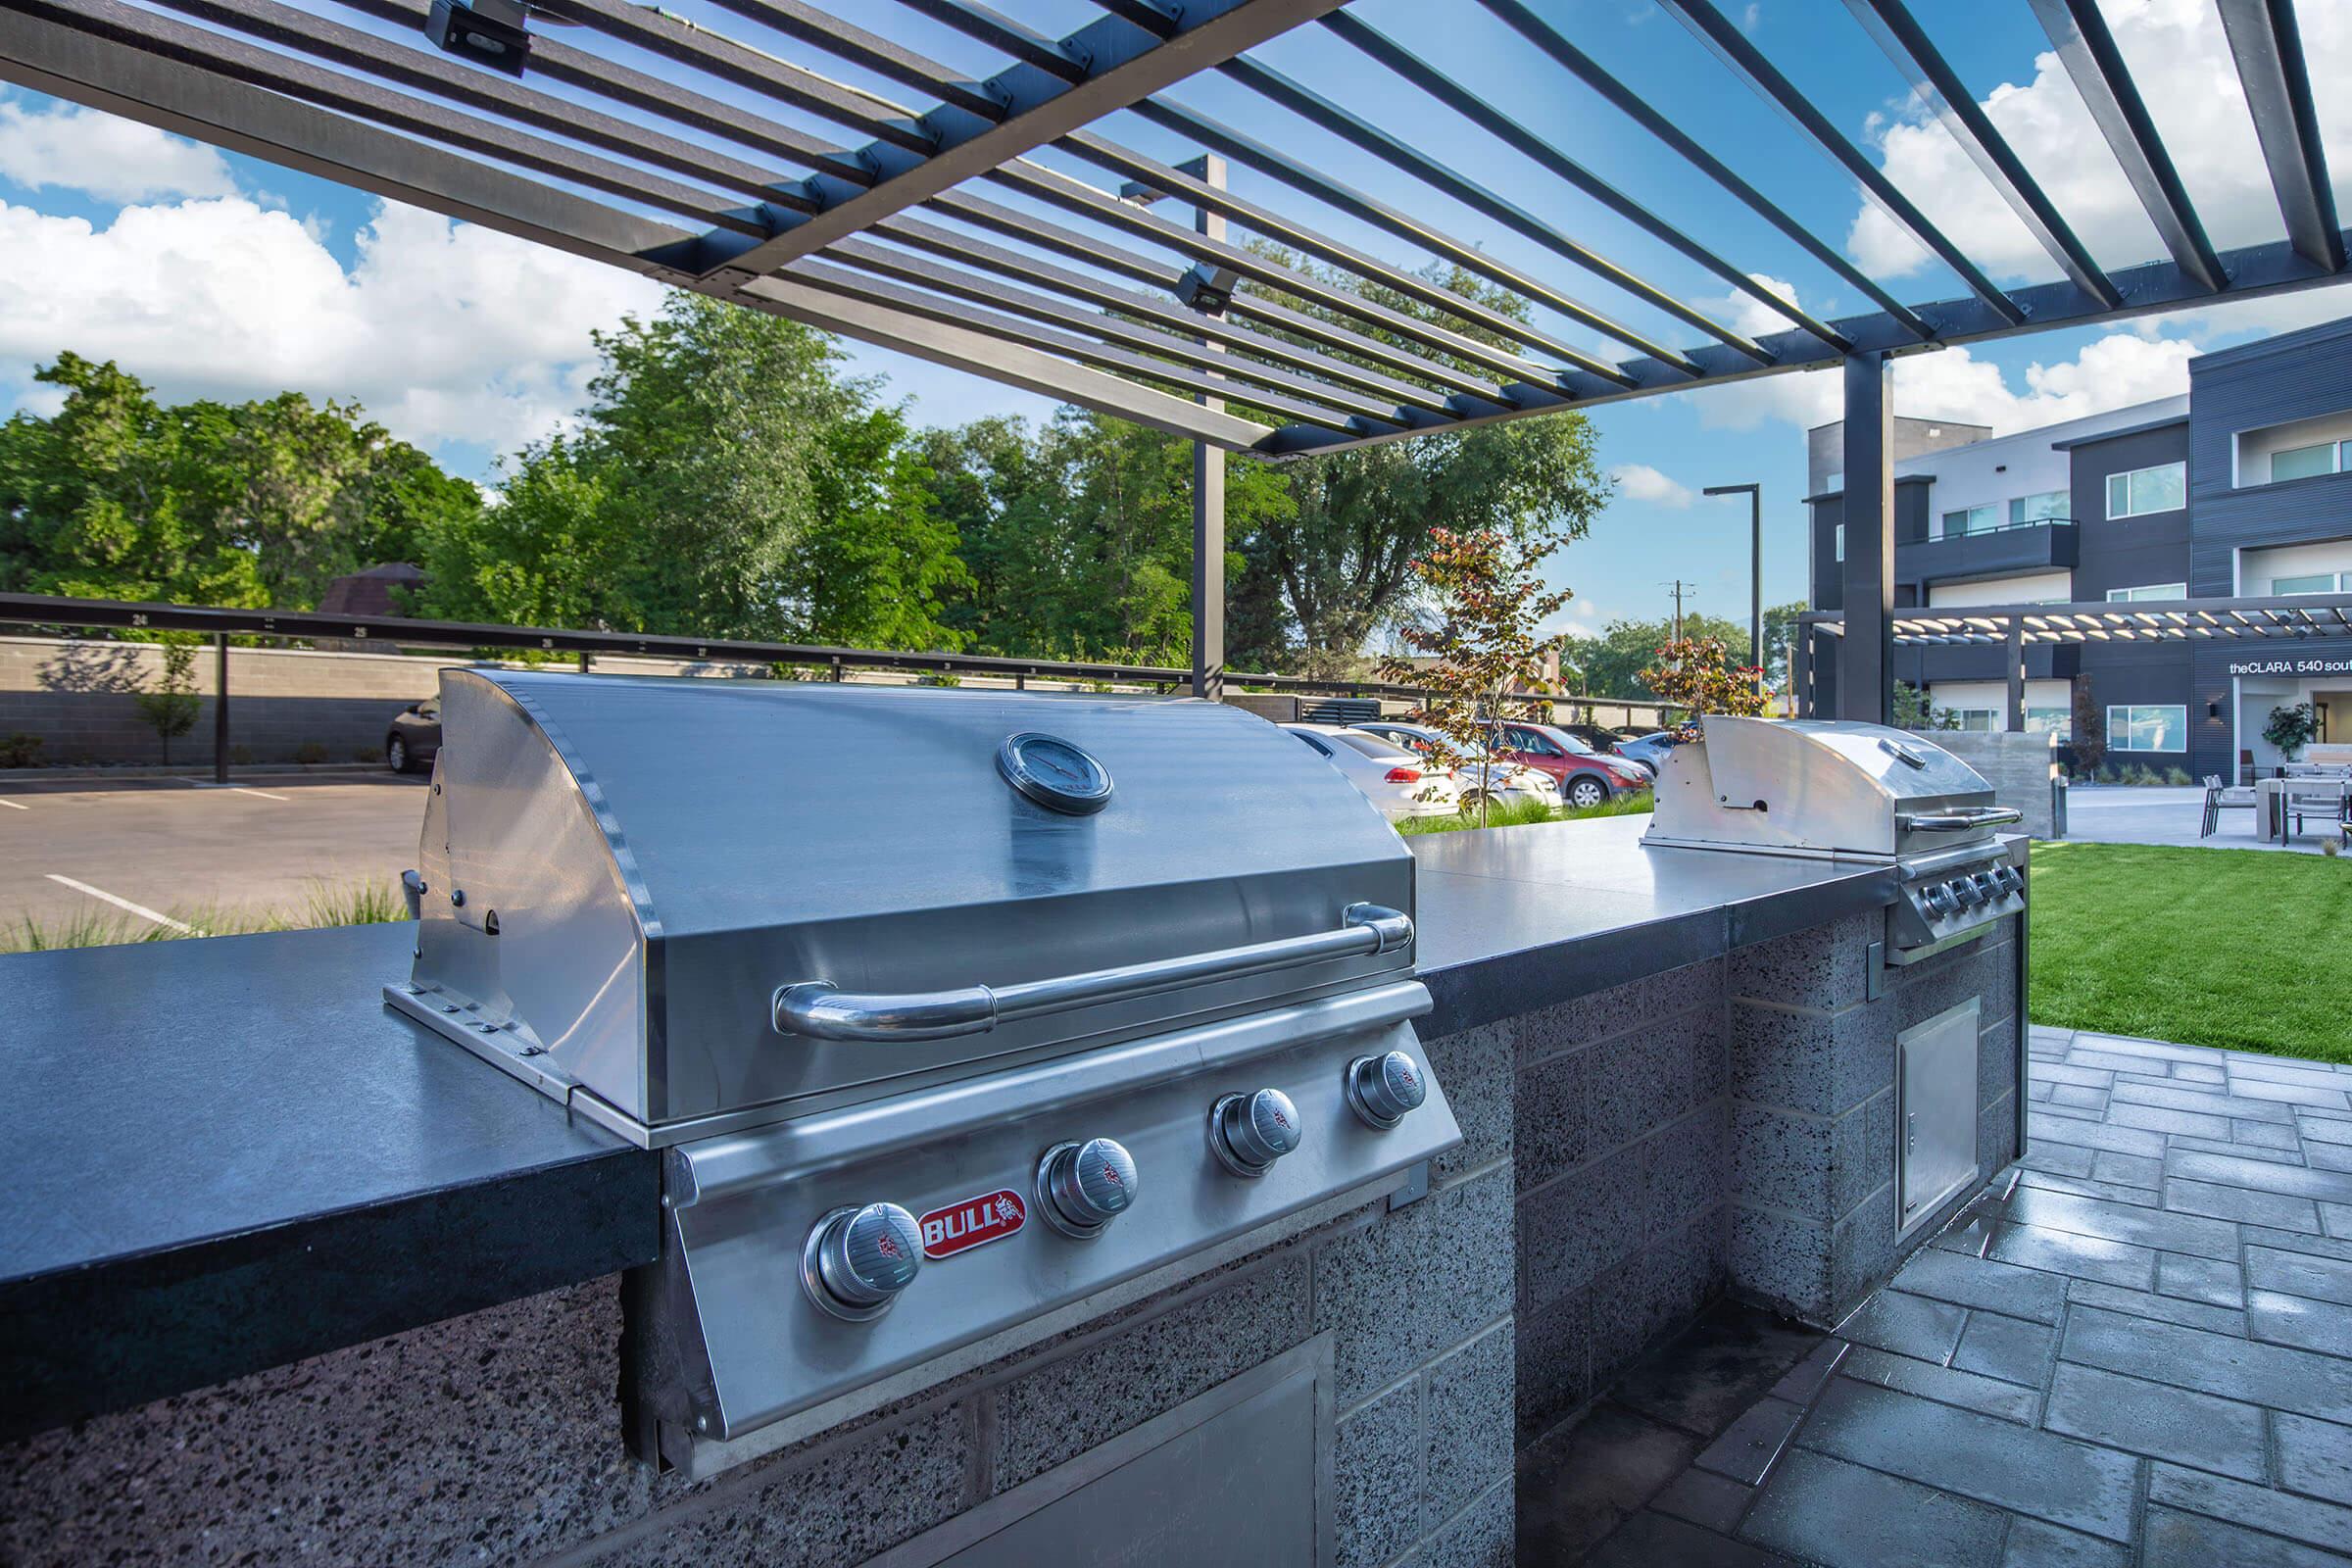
{"type": "Point", "coordinates": [2301, 463]}
{"type": "Point", "coordinates": [1976, 520]}
{"type": "Point", "coordinates": [2148, 727]}
{"type": "Point", "coordinates": [2153, 590]}
{"type": "Point", "coordinates": [2051, 506]}
{"type": "Point", "coordinates": [1838, 542]}
{"type": "Point", "coordinates": [2058, 721]}
{"type": "Point", "coordinates": [2318, 582]}
{"type": "Point", "coordinates": [1833, 480]}
{"type": "Point", "coordinates": [1976, 720]}
{"type": "Point", "coordinates": [2140, 491]}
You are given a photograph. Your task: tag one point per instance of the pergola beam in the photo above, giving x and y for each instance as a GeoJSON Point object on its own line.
{"type": "Point", "coordinates": [962, 349]}
{"type": "Point", "coordinates": [1126, 64]}
{"type": "Point", "coordinates": [1714, 29]}
{"type": "Point", "coordinates": [1937, 85]}
{"type": "Point", "coordinates": [2268, 47]}
{"type": "Point", "coordinates": [2087, 49]}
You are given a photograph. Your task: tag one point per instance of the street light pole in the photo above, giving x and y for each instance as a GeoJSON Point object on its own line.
{"type": "Point", "coordinates": [1755, 570]}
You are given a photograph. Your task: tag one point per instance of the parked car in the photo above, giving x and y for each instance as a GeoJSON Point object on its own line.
{"type": "Point", "coordinates": [1391, 777]}
{"type": "Point", "coordinates": [1507, 782]}
{"type": "Point", "coordinates": [414, 738]}
{"type": "Point", "coordinates": [1586, 777]}
{"type": "Point", "coordinates": [1650, 750]}
{"type": "Point", "coordinates": [1599, 736]}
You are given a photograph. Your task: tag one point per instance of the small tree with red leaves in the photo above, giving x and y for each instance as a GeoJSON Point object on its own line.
{"type": "Point", "coordinates": [1485, 602]}
{"type": "Point", "coordinates": [1696, 676]}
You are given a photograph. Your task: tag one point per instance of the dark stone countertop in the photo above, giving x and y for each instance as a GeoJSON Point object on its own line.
{"type": "Point", "coordinates": [227, 1154]}
{"type": "Point", "coordinates": [1525, 917]}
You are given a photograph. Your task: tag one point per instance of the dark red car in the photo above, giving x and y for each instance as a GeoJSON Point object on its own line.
{"type": "Point", "coordinates": [1586, 777]}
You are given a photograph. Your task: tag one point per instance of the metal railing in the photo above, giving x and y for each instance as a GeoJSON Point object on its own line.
{"type": "Point", "coordinates": [395, 633]}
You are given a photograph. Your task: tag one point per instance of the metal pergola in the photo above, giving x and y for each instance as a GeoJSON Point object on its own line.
{"type": "Point", "coordinates": [984, 219]}
{"type": "Point", "coordinates": [2295, 619]}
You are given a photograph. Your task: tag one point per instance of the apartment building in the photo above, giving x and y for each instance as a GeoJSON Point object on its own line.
{"type": "Point", "coordinates": [2242, 488]}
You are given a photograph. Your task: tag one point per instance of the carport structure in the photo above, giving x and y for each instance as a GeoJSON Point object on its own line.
{"type": "Point", "coordinates": [991, 213]}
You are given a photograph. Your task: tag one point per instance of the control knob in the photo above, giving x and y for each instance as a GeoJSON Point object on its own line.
{"type": "Point", "coordinates": [1248, 1133]}
{"type": "Point", "coordinates": [1937, 897]}
{"type": "Point", "coordinates": [1081, 1187]}
{"type": "Point", "coordinates": [856, 1260]}
{"type": "Point", "coordinates": [1384, 1090]}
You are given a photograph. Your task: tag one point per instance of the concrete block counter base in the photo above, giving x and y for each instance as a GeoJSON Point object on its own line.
{"type": "Point", "coordinates": [1670, 1098]}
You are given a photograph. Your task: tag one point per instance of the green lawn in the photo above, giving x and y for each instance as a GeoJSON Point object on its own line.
{"type": "Point", "coordinates": [2243, 948]}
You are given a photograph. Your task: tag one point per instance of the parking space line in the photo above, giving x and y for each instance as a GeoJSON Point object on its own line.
{"type": "Point", "coordinates": [139, 909]}
{"type": "Point", "coordinates": [13, 806]}
{"type": "Point", "coordinates": [238, 789]}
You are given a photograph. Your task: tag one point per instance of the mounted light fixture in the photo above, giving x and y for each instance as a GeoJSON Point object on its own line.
{"type": "Point", "coordinates": [488, 33]}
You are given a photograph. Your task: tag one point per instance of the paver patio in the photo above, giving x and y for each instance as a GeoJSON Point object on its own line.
{"type": "Point", "coordinates": [2135, 1350]}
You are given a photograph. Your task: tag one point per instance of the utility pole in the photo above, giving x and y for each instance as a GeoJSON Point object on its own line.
{"type": "Point", "coordinates": [1209, 462]}
{"type": "Point", "coordinates": [1678, 585]}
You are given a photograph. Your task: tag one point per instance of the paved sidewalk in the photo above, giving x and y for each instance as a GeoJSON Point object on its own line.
{"type": "Point", "coordinates": [2166, 815]}
{"type": "Point", "coordinates": [2136, 1350]}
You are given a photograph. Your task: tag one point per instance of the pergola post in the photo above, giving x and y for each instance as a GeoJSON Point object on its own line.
{"type": "Point", "coordinates": [221, 708]}
{"type": "Point", "coordinates": [1866, 653]}
{"type": "Point", "coordinates": [1208, 504]}
{"type": "Point", "coordinates": [2015, 669]}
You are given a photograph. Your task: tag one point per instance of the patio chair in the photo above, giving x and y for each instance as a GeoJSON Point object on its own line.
{"type": "Point", "coordinates": [2220, 798]}
{"type": "Point", "coordinates": [2330, 806]}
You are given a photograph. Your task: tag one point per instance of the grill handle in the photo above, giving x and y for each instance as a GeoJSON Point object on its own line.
{"type": "Point", "coordinates": [1958, 822]}
{"type": "Point", "coordinates": [817, 1011]}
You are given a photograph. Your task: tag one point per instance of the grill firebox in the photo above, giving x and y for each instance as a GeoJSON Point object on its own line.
{"type": "Point", "coordinates": [956, 1015]}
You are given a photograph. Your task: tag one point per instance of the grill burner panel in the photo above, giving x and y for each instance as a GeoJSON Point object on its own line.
{"type": "Point", "coordinates": [1839, 789]}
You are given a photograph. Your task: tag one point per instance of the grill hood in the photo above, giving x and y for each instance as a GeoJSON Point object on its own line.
{"type": "Point", "coordinates": [1827, 787]}
{"type": "Point", "coordinates": [621, 873]}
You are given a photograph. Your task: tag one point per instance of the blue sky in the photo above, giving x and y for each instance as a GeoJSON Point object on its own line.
{"type": "Point", "coordinates": [223, 276]}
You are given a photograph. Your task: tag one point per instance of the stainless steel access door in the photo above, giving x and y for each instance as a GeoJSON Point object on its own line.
{"type": "Point", "coordinates": [1239, 1477]}
{"type": "Point", "coordinates": [1936, 1110]}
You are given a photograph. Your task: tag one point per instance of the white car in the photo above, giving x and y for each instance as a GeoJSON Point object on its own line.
{"type": "Point", "coordinates": [1510, 783]}
{"type": "Point", "coordinates": [1391, 777]}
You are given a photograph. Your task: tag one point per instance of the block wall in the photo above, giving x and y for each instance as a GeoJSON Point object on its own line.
{"type": "Point", "coordinates": [1813, 1222]}
{"type": "Point", "coordinates": [1622, 1109]}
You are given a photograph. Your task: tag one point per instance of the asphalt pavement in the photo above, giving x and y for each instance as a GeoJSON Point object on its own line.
{"type": "Point", "coordinates": [148, 850]}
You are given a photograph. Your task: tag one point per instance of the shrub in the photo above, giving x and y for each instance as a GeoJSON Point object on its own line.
{"type": "Point", "coordinates": [2290, 728]}
{"type": "Point", "coordinates": [19, 749]}
{"type": "Point", "coordinates": [312, 751]}
{"type": "Point", "coordinates": [243, 754]}
{"type": "Point", "coordinates": [169, 706]}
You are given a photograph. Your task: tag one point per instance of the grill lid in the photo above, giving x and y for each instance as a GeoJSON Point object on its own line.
{"type": "Point", "coordinates": [1812, 786]}
{"type": "Point", "coordinates": [703, 900]}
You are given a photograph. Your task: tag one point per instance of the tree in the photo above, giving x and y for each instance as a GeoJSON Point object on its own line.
{"type": "Point", "coordinates": [1914, 710]}
{"type": "Point", "coordinates": [1611, 664]}
{"type": "Point", "coordinates": [2090, 739]}
{"type": "Point", "coordinates": [246, 505]}
{"type": "Point", "coordinates": [168, 706]}
{"type": "Point", "coordinates": [727, 481]}
{"type": "Point", "coordinates": [1696, 676]}
{"type": "Point", "coordinates": [1337, 559]}
{"type": "Point", "coordinates": [2290, 728]}
{"type": "Point", "coordinates": [1485, 599]}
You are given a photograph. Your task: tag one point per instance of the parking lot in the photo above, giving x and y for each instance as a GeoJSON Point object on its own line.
{"type": "Point", "coordinates": [172, 850]}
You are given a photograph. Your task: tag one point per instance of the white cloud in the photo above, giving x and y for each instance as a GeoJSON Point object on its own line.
{"type": "Point", "coordinates": [2180, 58]}
{"type": "Point", "coordinates": [1751, 17]}
{"type": "Point", "coordinates": [2109, 373]}
{"type": "Point", "coordinates": [444, 331]}
{"type": "Point", "coordinates": [1639, 481]}
{"type": "Point", "coordinates": [67, 147]}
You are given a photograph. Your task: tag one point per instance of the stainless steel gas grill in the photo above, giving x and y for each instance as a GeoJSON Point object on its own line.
{"type": "Point", "coordinates": [1839, 790]}
{"type": "Point", "coordinates": [957, 1013]}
